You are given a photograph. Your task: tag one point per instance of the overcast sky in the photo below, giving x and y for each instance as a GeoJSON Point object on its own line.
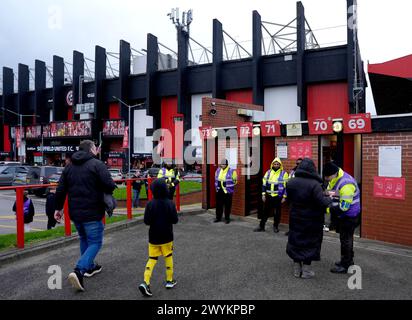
{"type": "Point", "coordinates": [39, 29]}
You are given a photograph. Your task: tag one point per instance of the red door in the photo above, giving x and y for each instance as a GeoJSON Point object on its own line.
{"type": "Point", "coordinates": [211, 180]}
{"type": "Point", "coordinates": [268, 153]}
{"type": "Point", "coordinates": [173, 122]}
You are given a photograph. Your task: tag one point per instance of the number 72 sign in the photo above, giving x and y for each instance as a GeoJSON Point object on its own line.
{"type": "Point", "coordinates": [245, 130]}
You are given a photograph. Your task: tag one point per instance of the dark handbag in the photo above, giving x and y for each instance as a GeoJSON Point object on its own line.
{"type": "Point", "coordinates": [110, 204]}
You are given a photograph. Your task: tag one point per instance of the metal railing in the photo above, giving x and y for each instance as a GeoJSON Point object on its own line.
{"type": "Point", "coordinates": [20, 235]}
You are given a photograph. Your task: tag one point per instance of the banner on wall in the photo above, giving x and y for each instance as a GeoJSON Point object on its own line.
{"type": "Point", "coordinates": [389, 188]}
{"type": "Point", "coordinates": [33, 132]}
{"type": "Point", "coordinates": [126, 138]}
{"type": "Point", "coordinates": [68, 129]}
{"type": "Point", "coordinates": [114, 128]}
{"type": "Point", "coordinates": [18, 138]}
{"type": "Point", "coordinates": [300, 149]}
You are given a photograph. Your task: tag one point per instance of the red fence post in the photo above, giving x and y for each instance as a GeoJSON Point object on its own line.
{"type": "Point", "coordinates": [129, 199]}
{"type": "Point", "coordinates": [178, 198]}
{"type": "Point", "coordinates": [20, 217]}
{"type": "Point", "coordinates": [150, 195]}
{"type": "Point", "coordinates": [67, 223]}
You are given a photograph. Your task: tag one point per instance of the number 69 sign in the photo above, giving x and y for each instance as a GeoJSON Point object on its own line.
{"type": "Point", "coordinates": [357, 123]}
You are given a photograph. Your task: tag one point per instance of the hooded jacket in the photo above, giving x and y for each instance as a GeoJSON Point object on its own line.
{"type": "Point", "coordinates": [29, 214]}
{"type": "Point", "coordinates": [85, 181]}
{"type": "Point", "coordinates": [160, 214]}
{"type": "Point", "coordinates": [307, 209]}
{"type": "Point", "coordinates": [274, 182]}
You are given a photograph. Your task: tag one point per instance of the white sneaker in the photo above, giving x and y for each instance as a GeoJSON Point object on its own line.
{"type": "Point", "coordinates": [170, 284]}
{"type": "Point", "coordinates": [307, 273]}
{"type": "Point", "coordinates": [325, 228]}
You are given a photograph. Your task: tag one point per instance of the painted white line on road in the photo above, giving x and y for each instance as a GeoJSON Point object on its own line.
{"type": "Point", "coordinates": [7, 227]}
{"type": "Point", "coordinates": [14, 198]}
{"type": "Point", "coordinates": [13, 217]}
{"type": "Point", "coordinates": [10, 227]}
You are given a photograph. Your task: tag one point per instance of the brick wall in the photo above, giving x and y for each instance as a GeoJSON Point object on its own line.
{"type": "Point", "coordinates": [385, 219]}
{"type": "Point", "coordinates": [226, 117]}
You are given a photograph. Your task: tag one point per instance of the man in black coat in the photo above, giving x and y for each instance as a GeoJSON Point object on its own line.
{"type": "Point", "coordinates": [307, 214]}
{"type": "Point", "coordinates": [85, 181]}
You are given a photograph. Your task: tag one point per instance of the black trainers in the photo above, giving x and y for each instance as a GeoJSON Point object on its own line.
{"type": "Point", "coordinates": [170, 284]}
{"type": "Point", "coordinates": [227, 221]}
{"type": "Point", "coordinates": [339, 269]}
{"type": "Point", "coordinates": [275, 229]}
{"type": "Point", "coordinates": [339, 263]}
{"type": "Point", "coordinates": [76, 280]}
{"type": "Point", "coordinates": [97, 269]}
{"type": "Point", "coordinates": [259, 229]}
{"type": "Point", "coordinates": [145, 289]}
{"type": "Point", "coordinates": [216, 220]}
{"type": "Point", "coordinates": [287, 233]}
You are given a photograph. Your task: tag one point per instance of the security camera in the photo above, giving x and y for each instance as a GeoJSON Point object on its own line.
{"type": "Point", "coordinates": [213, 112]}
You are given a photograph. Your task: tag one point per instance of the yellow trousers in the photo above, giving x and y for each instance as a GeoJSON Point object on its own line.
{"type": "Point", "coordinates": [156, 251]}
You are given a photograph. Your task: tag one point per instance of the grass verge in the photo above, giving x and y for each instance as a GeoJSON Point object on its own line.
{"type": "Point", "coordinates": [185, 187]}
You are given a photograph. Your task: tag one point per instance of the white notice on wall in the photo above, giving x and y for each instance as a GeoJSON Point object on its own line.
{"type": "Point", "coordinates": [390, 161]}
{"type": "Point", "coordinates": [231, 156]}
{"type": "Point", "coordinates": [282, 151]}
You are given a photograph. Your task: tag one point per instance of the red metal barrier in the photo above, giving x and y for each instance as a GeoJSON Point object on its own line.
{"type": "Point", "coordinates": [129, 199]}
{"type": "Point", "coordinates": [178, 198]}
{"type": "Point", "coordinates": [150, 195]}
{"type": "Point", "coordinates": [20, 217]}
{"type": "Point", "coordinates": [67, 223]}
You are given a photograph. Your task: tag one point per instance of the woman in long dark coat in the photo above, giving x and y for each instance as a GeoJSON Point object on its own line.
{"type": "Point", "coordinates": [307, 215]}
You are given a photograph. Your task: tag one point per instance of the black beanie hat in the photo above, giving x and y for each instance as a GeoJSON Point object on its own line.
{"type": "Point", "coordinates": [330, 169]}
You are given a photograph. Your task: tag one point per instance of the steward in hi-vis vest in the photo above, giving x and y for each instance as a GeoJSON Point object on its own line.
{"type": "Point", "coordinates": [225, 181]}
{"type": "Point", "coordinates": [172, 178]}
{"type": "Point", "coordinates": [344, 189]}
{"type": "Point", "coordinates": [273, 194]}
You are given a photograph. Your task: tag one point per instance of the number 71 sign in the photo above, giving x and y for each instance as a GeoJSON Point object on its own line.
{"type": "Point", "coordinates": [270, 128]}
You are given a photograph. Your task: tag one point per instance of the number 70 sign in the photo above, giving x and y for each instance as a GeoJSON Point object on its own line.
{"type": "Point", "coordinates": [320, 126]}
